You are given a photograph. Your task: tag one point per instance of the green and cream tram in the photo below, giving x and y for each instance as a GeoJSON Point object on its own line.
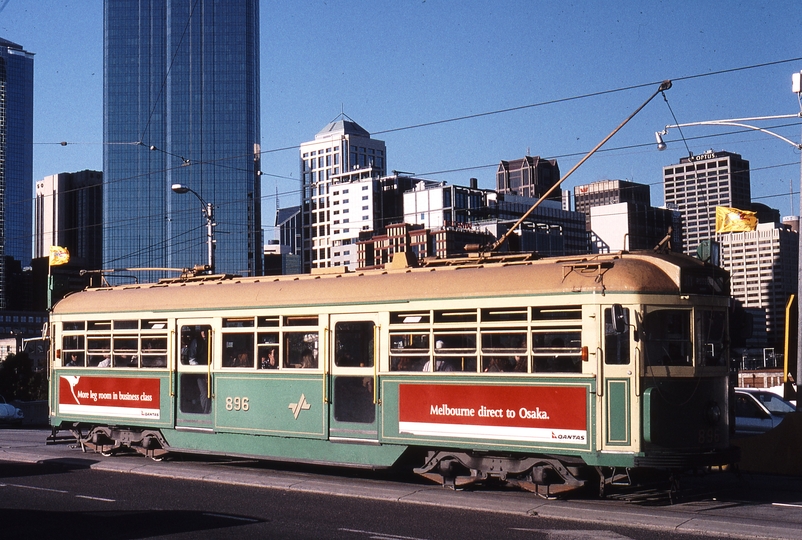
{"type": "Point", "coordinates": [536, 372]}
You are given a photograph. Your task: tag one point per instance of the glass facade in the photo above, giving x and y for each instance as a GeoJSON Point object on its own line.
{"type": "Point", "coordinates": [16, 160]}
{"type": "Point", "coordinates": [181, 106]}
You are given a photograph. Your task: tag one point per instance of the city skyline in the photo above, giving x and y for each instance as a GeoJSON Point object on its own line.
{"type": "Point", "coordinates": [545, 57]}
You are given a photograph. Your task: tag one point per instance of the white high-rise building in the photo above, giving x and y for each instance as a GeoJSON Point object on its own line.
{"type": "Point", "coordinates": [698, 184]}
{"type": "Point", "coordinates": [763, 273]}
{"type": "Point", "coordinates": [341, 147]}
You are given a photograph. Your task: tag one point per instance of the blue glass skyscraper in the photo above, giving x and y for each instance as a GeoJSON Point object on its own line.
{"type": "Point", "coordinates": [181, 106]}
{"type": "Point", "coordinates": [16, 160]}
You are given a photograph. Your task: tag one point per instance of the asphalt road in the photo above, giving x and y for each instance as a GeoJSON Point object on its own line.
{"type": "Point", "coordinates": [56, 491]}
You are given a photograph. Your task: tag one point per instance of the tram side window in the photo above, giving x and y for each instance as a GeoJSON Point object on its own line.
{"type": "Point", "coordinates": [73, 351]}
{"type": "Point", "coordinates": [98, 351]}
{"type": "Point", "coordinates": [667, 338]}
{"type": "Point", "coordinates": [557, 351]}
{"type": "Point", "coordinates": [454, 351]}
{"type": "Point", "coordinates": [267, 350]}
{"type": "Point", "coordinates": [504, 350]}
{"type": "Point", "coordinates": [300, 350]}
{"type": "Point", "coordinates": [126, 351]}
{"type": "Point", "coordinates": [616, 344]}
{"type": "Point", "coordinates": [353, 346]}
{"type": "Point", "coordinates": [710, 337]}
{"type": "Point", "coordinates": [238, 350]}
{"type": "Point", "coordinates": [408, 351]}
{"type": "Point", "coordinates": [154, 352]}
{"type": "Point", "coordinates": [195, 345]}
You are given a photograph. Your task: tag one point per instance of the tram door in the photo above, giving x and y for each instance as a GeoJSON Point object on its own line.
{"type": "Point", "coordinates": [617, 385]}
{"type": "Point", "coordinates": [193, 374]}
{"type": "Point", "coordinates": [353, 358]}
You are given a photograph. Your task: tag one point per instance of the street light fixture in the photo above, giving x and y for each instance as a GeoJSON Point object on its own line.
{"type": "Point", "coordinates": [739, 122]}
{"type": "Point", "coordinates": [208, 213]}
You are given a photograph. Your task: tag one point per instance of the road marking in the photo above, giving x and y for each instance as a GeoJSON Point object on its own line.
{"type": "Point", "coordinates": [34, 488]}
{"type": "Point", "coordinates": [380, 536]}
{"type": "Point", "coordinates": [94, 498]}
{"type": "Point", "coordinates": [789, 505]}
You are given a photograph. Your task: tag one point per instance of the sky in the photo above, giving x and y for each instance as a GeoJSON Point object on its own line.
{"type": "Point", "coordinates": [454, 87]}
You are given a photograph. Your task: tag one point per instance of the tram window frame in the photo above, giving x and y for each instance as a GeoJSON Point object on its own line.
{"type": "Point", "coordinates": [126, 324]}
{"type": "Point", "coordinates": [552, 314]}
{"type": "Point", "coordinates": [295, 343]}
{"type": "Point", "coordinates": [504, 359]}
{"type": "Point", "coordinates": [410, 317]}
{"type": "Point", "coordinates": [268, 321]}
{"type": "Point", "coordinates": [234, 345]}
{"type": "Point", "coordinates": [123, 355]}
{"type": "Point", "coordinates": [238, 322]}
{"type": "Point", "coordinates": [455, 316]}
{"type": "Point", "coordinates": [617, 350]}
{"type": "Point", "coordinates": [655, 330]}
{"type": "Point", "coordinates": [555, 358]}
{"type": "Point", "coordinates": [153, 357]}
{"type": "Point", "coordinates": [300, 320]}
{"type": "Point", "coordinates": [96, 354]}
{"type": "Point", "coordinates": [505, 315]}
{"type": "Point", "coordinates": [711, 353]}
{"type": "Point", "coordinates": [95, 326]}
{"type": "Point", "coordinates": [73, 326]}
{"type": "Point", "coordinates": [349, 337]}
{"type": "Point", "coordinates": [78, 347]}
{"type": "Point", "coordinates": [153, 324]}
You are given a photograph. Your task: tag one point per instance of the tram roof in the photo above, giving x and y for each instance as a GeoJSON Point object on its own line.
{"type": "Point", "coordinates": [646, 273]}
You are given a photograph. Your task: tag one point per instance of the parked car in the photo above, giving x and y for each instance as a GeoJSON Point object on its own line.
{"type": "Point", "coordinates": [9, 414]}
{"type": "Point", "coordinates": [757, 411]}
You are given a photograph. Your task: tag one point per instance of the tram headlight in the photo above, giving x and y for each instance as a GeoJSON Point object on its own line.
{"type": "Point", "coordinates": [713, 413]}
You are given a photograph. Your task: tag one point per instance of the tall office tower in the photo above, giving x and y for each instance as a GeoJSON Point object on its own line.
{"type": "Point", "coordinates": [607, 192]}
{"type": "Point", "coordinates": [181, 106]}
{"type": "Point", "coordinates": [698, 184]}
{"type": "Point", "coordinates": [16, 161]}
{"type": "Point", "coordinates": [68, 213]}
{"type": "Point", "coordinates": [528, 177]}
{"type": "Point", "coordinates": [343, 146]}
{"type": "Point", "coordinates": [763, 274]}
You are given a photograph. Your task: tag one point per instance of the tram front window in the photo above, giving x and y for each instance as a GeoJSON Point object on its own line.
{"type": "Point", "coordinates": [710, 337]}
{"type": "Point", "coordinates": [667, 338]}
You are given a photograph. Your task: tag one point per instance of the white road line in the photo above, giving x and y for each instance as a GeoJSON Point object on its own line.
{"type": "Point", "coordinates": [789, 505]}
{"type": "Point", "coordinates": [34, 488]}
{"type": "Point", "coordinates": [380, 536]}
{"type": "Point", "coordinates": [95, 498]}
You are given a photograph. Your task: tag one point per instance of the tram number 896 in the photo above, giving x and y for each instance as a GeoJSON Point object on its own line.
{"type": "Point", "coordinates": [237, 403]}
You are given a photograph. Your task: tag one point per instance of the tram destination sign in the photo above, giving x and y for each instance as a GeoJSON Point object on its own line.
{"type": "Point", "coordinates": [119, 397]}
{"type": "Point", "coordinates": [544, 414]}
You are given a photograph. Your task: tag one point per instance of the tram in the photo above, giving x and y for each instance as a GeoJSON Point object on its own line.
{"type": "Point", "coordinates": [546, 373]}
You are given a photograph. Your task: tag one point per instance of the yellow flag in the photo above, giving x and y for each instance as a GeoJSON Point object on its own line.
{"type": "Point", "coordinates": [734, 220]}
{"type": "Point", "coordinates": [59, 255]}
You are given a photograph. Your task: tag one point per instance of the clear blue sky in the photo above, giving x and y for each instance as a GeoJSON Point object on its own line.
{"type": "Point", "coordinates": [391, 64]}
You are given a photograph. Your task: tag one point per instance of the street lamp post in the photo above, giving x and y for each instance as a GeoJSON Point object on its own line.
{"type": "Point", "coordinates": [208, 213]}
{"type": "Point", "coordinates": [740, 122]}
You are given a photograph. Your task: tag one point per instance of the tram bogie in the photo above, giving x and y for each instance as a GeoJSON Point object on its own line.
{"type": "Point", "coordinates": [550, 374]}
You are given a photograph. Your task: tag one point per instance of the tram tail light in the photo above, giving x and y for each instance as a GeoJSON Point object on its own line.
{"type": "Point", "coordinates": [585, 353]}
{"type": "Point", "coordinates": [58, 353]}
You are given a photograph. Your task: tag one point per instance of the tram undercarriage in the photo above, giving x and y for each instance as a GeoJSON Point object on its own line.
{"type": "Point", "coordinates": [108, 440]}
{"type": "Point", "coordinates": [547, 476]}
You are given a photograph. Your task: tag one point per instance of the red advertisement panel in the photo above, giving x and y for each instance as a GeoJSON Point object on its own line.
{"type": "Point", "coordinates": [124, 397]}
{"type": "Point", "coordinates": [521, 413]}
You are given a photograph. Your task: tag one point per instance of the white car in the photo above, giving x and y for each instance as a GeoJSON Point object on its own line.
{"type": "Point", "coordinates": [757, 411]}
{"type": "Point", "coordinates": [9, 414]}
